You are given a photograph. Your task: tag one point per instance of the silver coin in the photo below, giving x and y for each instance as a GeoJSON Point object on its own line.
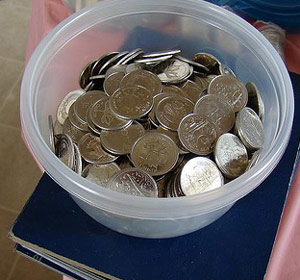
{"type": "Point", "coordinates": [77, 165]}
{"type": "Point", "coordinates": [170, 111]}
{"type": "Point", "coordinates": [192, 90]}
{"type": "Point", "coordinates": [131, 56]}
{"type": "Point", "coordinates": [51, 134]}
{"type": "Point", "coordinates": [231, 89]}
{"type": "Point", "coordinates": [76, 121]}
{"type": "Point", "coordinates": [155, 153]}
{"type": "Point", "coordinates": [133, 181]}
{"type": "Point", "coordinates": [116, 69]}
{"type": "Point", "coordinates": [132, 67]}
{"type": "Point", "coordinates": [200, 175]}
{"type": "Point", "coordinates": [113, 61]}
{"type": "Point", "coordinates": [89, 86]}
{"type": "Point", "coordinates": [250, 128]}
{"type": "Point", "coordinates": [125, 162]}
{"type": "Point", "coordinates": [255, 101]}
{"type": "Point", "coordinates": [91, 125]}
{"type": "Point", "coordinates": [98, 77]}
{"type": "Point", "coordinates": [218, 110]}
{"type": "Point", "coordinates": [231, 155]}
{"type": "Point", "coordinates": [198, 134]}
{"type": "Point", "coordinates": [142, 78]}
{"type": "Point", "coordinates": [131, 102]}
{"type": "Point", "coordinates": [100, 174]}
{"type": "Point", "coordinates": [174, 71]}
{"type": "Point", "coordinates": [91, 150]}
{"type": "Point", "coordinates": [153, 60]}
{"type": "Point", "coordinates": [83, 103]}
{"type": "Point", "coordinates": [209, 61]}
{"type": "Point", "coordinates": [85, 74]}
{"type": "Point", "coordinates": [253, 160]}
{"type": "Point", "coordinates": [112, 82]}
{"type": "Point", "coordinates": [65, 104]}
{"type": "Point", "coordinates": [196, 66]}
{"type": "Point", "coordinates": [161, 53]}
{"type": "Point", "coordinates": [95, 70]}
{"type": "Point", "coordinates": [72, 131]}
{"type": "Point", "coordinates": [120, 141]}
{"type": "Point", "coordinates": [225, 70]}
{"type": "Point", "coordinates": [58, 128]}
{"type": "Point", "coordinates": [171, 89]}
{"type": "Point", "coordinates": [202, 82]}
{"type": "Point", "coordinates": [65, 150]}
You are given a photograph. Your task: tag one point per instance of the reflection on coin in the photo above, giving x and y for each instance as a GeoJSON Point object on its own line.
{"type": "Point", "coordinates": [198, 134]}
{"type": "Point", "coordinates": [113, 60]}
{"type": "Point", "coordinates": [120, 141]}
{"type": "Point", "coordinates": [197, 66]}
{"type": "Point", "coordinates": [92, 151]}
{"type": "Point", "coordinates": [192, 90]}
{"type": "Point", "coordinates": [153, 60]}
{"type": "Point", "coordinates": [133, 181]}
{"type": "Point", "coordinates": [155, 153]}
{"type": "Point", "coordinates": [142, 78]}
{"type": "Point", "coordinates": [85, 74]}
{"type": "Point", "coordinates": [65, 150]}
{"type": "Point", "coordinates": [250, 128]}
{"type": "Point", "coordinates": [231, 155]}
{"type": "Point", "coordinates": [171, 110]}
{"type": "Point", "coordinates": [253, 160]}
{"type": "Point", "coordinates": [255, 101]}
{"type": "Point", "coordinates": [102, 116]}
{"type": "Point", "coordinates": [208, 60]}
{"type": "Point", "coordinates": [131, 102]}
{"type": "Point", "coordinates": [174, 71]}
{"type": "Point", "coordinates": [174, 136]}
{"type": "Point", "coordinates": [115, 69]}
{"type": "Point", "coordinates": [58, 128]}
{"type": "Point", "coordinates": [95, 70]}
{"type": "Point", "coordinates": [76, 121]}
{"type": "Point", "coordinates": [130, 56]}
{"type": "Point", "coordinates": [77, 165]}
{"type": "Point", "coordinates": [112, 82]}
{"type": "Point", "coordinates": [231, 89]}
{"type": "Point", "coordinates": [100, 174]}
{"type": "Point", "coordinates": [82, 103]}
{"type": "Point", "coordinates": [72, 131]}
{"type": "Point", "coordinates": [51, 134]}
{"type": "Point", "coordinates": [200, 175]}
{"type": "Point", "coordinates": [65, 104]}
{"type": "Point", "coordinates": [218, 110]}
{"type": "Point", "coordinates": [161, 53]}
{"type": "Point", "coordinates": [132, 67]}
{"type": "Point", "coordinates": [225, 70]}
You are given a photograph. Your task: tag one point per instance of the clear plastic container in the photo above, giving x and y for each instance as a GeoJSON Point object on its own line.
{"type": "Point", "coordinates": [192, 26]}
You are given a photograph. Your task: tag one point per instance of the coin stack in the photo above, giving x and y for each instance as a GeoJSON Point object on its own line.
{"type": "Point", "coordinates": [159, 124]}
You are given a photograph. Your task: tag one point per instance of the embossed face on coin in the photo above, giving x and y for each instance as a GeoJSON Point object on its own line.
{"type": "Point", "coordinates": [198, 134]}
{"type": "Point", "coordinates": [218, 110]}
{"type": "Point", "coordinates": [120, 141]}
{"type": "Point", "coordinates": [92, 151]}
{"type": "Point", "coordinates": [231, 155]}
{"type": "Point", "coordinates": [250, 129]}
{"type": "Point", "coordinates": [200, 175]}
{"type": "Point", "coordinates": [100, 174]}
{"type": "Point", "coordinates": [131, 102]}
{"type": "Point", "coordinates": [103, 117]}
{"type": "Point", "coordinates": [171, 110]}
{"type": "Point", "coordinates": [231, 89]}
{"type": "Point", "coordinates": [133, 181]}
{"type": "Point", "coordinates": [155, 153]}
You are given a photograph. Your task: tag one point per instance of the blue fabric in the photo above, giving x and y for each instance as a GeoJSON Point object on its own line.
{"type": "Point", "coordinates": [237, 246]}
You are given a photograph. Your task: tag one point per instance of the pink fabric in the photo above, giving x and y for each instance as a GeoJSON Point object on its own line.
{"type": "Point", "coordinates": [284, 263]}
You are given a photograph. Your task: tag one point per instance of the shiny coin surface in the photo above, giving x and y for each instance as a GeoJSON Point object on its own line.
{"type": "Point", "coordinates": [250, 128]}
{"type": "Point", "coordinates": [92, 151]}
{"type": "Point", "coordinates": [100, 174]}
{"type": "Point", "coordinates": [58, 128]}
{"type": "Point", "coordinates": [174, 136]}
{"type": "Point", "coordinates": [133, 181]}
{"type": "Point", "coordinates": [171, 89]}
{"type": "Point", "coordinates": [231, 89]}
{"type": "Point", "coordinates": [142, 78]}
{"type": "Point", "coordinates": [253, 160]}
{"type": "Point", "coordinates": [72, 131]}
{"type": "Point", "coordinates": [218, 110]}
{"type": "Point", "coordinates": [202, 82]}
{"type": "Point", "coordinates": [64, 149]}
{"type": "Point", "coordinates": [200, 175]}
{"type": "Point", "coordinates": [120, 141]}
{"type": "Point", "coordinates": [174, 71]}
{"type": "Point", "coordinates": [196, 66]}
{"type": "Point", "coordinates": [171, 110]}
{"type": "Point", "coordinates": [255, 101]}
{"type": "Point", "coordinates": [161, 53]}
{"type": "Point", "coordinates": [192, 90]}
{"type": "Point", "coordinates": [76, 121]}
{"type": "Point", "coordinates": [115, 69]}
{"type": "Point", "coordinates": [225, 70]}
{"type": "Point", "coordinates": [130, 56]}
{"type": "Point", "coordinates": [198, 134]}
{"type": "Point", "coordinates": [112, 82]}
{"type": "Point", "coordinates": [112, 61]}
{"type": "Point", "coordinates": [153, 60]}
{"type": "Point", "coordinates": [231, 155]}
{"type": "Point", "coordinates": [131, 102]}
{"type": "Point", "coordinates": [132, 67]}
{"type": "Point", "coordinates": [208, 60]}
{"type": "Point", "coordinates": [65, 104]}
{"type": "Point", "coordinates": [91, 125]}
{"type": "Point", "coordinates": [51, 134]}
{"type": "Point", "coordinates": [155, 153]}
{"type": "Point", "coordinates": [82, 103]}
{"type": "Point", "coordinates": [95, 70]}
{"type": "Point", "coordinates": [85, 74]}
{"type": "Point", "coordinates": [77, 165]}
{"type": "Point", "coordinates": [102, 116]}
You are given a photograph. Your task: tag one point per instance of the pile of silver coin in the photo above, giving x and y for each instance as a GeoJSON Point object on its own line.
{"type": "Point", "coordinates": [159, 124]}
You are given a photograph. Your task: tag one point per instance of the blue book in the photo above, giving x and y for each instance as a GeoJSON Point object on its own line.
{"type": "Point", "coordinates": [236, 246]}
